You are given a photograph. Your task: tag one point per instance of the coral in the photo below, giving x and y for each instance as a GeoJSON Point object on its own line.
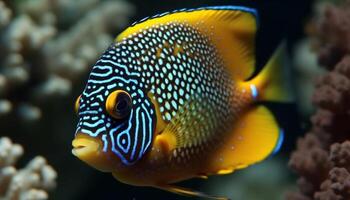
{"type": "Point", "coordinates": [31, 182]}
{"type": "Point", "coordinates": [322, 157]}
{"type": "Point", "coordinates": [5, 14]}
{"type": "Point", "coordinates": [46, 46]}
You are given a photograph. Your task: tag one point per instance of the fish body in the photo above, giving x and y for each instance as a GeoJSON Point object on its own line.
{"type": "Point", "coordinates": [170, 100]}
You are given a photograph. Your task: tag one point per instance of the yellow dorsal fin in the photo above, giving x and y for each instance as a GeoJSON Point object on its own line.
{"type": "Point", "coordinates": [255, 136]}
{"type": "Point", "coordinates": [231, 29]}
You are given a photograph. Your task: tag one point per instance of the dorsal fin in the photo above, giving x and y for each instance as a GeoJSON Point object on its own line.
{"type": "Point", "coordinates": [230, 28]}
{"type": "Point", "coordinates": [214, 13]}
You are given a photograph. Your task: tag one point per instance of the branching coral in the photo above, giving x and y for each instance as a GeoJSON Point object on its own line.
{"type": "Point", "coordinates": [47, 45]}
{"type": "Point", "coordinates": [31, 182]}
{"type": "Point", "coordinates": [322, 158]}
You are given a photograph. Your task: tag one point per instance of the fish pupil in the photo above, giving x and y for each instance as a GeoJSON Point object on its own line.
{"type": "Point", "coordinates": [122, 105]}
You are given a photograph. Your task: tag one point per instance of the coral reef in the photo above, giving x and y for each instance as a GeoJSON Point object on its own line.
{"type": "Point", "coordinates": [48, 45]}
{"type": "Point", "coordinates": [322, 158]}
{"type": "Point", "coordinates": [31, 182]}
{"type": "Point", "coordinates": [47, 48]}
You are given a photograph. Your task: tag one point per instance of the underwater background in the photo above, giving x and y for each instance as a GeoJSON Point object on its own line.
{"type": "Point", "coordinates": [47, 48]}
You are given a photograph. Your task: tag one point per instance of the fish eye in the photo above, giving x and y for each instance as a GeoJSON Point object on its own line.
{"type": "Point", "coordinates": [119, 104]}
{"type": "Point", "coordinates": [77, 104]}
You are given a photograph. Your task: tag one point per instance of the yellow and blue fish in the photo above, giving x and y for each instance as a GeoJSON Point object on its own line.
{"type": "Point", "coordinates": [170, 100]}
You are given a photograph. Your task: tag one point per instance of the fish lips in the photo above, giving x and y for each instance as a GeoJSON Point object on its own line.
{"type": "Point", "coordinates": [90, 150]}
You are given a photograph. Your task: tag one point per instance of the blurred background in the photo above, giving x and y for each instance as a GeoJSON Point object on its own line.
{"type": "Point", "coordinates": [47, 48]}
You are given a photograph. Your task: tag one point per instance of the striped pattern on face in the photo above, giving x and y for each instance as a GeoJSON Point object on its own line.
{"type": "Point", "coordinates": [128, 138]}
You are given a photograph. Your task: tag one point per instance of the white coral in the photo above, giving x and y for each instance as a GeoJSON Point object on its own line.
{"type": "Point", "coordinates": [31, 182]}
{"type": "Point", "coordinates": [5, 14]}
{"type": "Point", "coordinates": [47, 45]}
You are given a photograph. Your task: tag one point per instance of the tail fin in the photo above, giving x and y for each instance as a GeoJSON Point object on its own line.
{"type": "Point", "coordinates": [272, 82]}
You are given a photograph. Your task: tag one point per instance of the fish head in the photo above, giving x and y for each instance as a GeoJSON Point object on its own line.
{"type": "Point", "coordinates": [116, 117]}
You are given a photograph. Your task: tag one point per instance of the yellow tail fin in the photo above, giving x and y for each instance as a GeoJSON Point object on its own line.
{"type": "Point", "coordinates": [272, 82]}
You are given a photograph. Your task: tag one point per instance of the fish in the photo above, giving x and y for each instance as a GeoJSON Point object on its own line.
{"type": "Point", "coordinates": [173, 99]}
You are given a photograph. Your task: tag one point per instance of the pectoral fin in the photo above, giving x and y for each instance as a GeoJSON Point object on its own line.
{"type": "Point", "coordinates": [189, 192]}
{"type": "Point", "coordinates": [166, 141]}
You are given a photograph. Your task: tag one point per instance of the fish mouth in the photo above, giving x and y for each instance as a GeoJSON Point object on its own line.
{"type": "Point", "coordinates": [89, 150]}
{"type": "Point", "coordinates": [85, 146]}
